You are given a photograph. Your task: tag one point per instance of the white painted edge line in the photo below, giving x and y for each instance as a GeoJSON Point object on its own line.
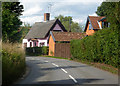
{"type": "Point", "coordinates": [46, 61]}
{"type": "Point", "coordinates": [64, 70]}
{"type": "Point", "coordinates": [73, 78]}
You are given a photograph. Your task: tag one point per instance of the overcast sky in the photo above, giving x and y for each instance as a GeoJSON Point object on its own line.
{"type": "Point", "coordinates": [79, 9]}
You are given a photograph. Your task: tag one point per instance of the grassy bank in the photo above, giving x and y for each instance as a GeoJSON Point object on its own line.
{"type": "Point", "coordinates": [13, 62]}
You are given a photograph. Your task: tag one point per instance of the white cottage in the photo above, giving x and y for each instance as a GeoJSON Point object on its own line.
{"type": "Point", "coordinates": [38, 34]}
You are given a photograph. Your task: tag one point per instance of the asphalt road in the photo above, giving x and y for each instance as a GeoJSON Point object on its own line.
{"type": "Point", "coordinates": [44, 70]}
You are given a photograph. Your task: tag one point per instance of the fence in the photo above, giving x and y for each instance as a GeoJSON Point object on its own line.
{"type": "Point", "coordinates": [62, 50]}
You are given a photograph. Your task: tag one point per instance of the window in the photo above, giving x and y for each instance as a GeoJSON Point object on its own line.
{"type": "Point", "coordinates": [42, 44]}
{"type": "Point", "coordinates": [89, 26]}
{"type": "Point", "coordinates": [25, 45]}
{"type": "Point", "coordinates": [30, 44]}
{"type": "Point", "coordinates": [105, 24]}
{"type": "Point", "coordinates": [34, 44]}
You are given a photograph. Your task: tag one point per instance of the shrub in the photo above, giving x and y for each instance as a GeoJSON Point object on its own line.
{"type": "Point", "coordinates": [100, 47]}
{"type": "Point", "coordinates": [13, 62]}
{"type": "Point", "coordinates": [36, 51]}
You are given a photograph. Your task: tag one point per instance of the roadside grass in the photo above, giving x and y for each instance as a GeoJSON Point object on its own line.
{"type": "Point", "coordinates": [13, 62]}
{"type": "Point", "coordinates": [102, 66]}
{"type": "Point", "coordinates": [56, 57]}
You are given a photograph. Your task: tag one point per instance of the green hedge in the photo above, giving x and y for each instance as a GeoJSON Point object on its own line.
{"type": "Point", "coordinates": [101, 47]}
{"type": "Point", "coordinates": [36, 51]}
{"type": "Point", "coordinates": [13, 63]}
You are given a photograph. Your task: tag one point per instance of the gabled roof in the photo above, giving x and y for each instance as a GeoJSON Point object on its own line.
{"type": "Point", "coordinates": [66, 36]}
{"type": "Point", "coordinates": [42, 29]}
{"type": "Point", "coordinates": [94, 21]}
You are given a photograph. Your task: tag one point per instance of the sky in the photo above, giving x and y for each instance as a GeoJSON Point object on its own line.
{"type": "Point", "coordinates": [78, 9]}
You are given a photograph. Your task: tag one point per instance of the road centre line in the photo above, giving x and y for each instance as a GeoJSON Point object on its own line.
{"type": "Point", "coordinates": [64, 70]}
{"type": "Point", "coordinates": [46, 61]}
{"type": "Point", "coordinates": [73, 78]}
{"type": "Point", "coordinates": [55, 65]}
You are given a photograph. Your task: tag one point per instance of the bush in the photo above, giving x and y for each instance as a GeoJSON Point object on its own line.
{"type": "Point", "coordinates": [36, 51]}
{"type": "Point", "coordinates": [13, 63]}
{"type": "Point", "coordinates": [101, 47]}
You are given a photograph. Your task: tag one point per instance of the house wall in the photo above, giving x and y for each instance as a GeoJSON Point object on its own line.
{"type": "Point", "coordinates": [51, 46]}
{"type": "Point", "coordinates": [38, 43]}
{"type": "Point", "coordinates": [89, 32]}
{"type": "Point", "coordinates": [57, 27]}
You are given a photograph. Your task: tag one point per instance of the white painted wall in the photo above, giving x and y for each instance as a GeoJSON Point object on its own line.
{"type": "Point", "coordinates": [28, 42]}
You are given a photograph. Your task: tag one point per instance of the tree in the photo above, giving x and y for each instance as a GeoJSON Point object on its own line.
{"type": "Point", "coordinates": [68, 23]}
{"type": "Point", "coordinates": [10, 21]}
{"type": "Point", "coordinates": [112, 12]}
{"type": "Point", "coordinates": [24, 30]}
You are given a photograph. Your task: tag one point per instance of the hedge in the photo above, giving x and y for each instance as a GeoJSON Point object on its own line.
{"type": "Point", "coordinates": [36, 51]}
{"type": "Point", "coordinates": [101, 47]}
{"type": "Point", "coordinates": [13, 63]}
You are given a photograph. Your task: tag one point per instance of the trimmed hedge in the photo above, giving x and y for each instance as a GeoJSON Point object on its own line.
{"type": "Point", "coordinates": [36, 51]}
{"type": "Point", "coordinates": [13, 63]}
{"type": "Point", "coordinates": [101, 47]}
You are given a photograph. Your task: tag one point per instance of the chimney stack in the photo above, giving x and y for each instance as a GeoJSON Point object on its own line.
{"type": "Point", "coordinates": [46, 16]}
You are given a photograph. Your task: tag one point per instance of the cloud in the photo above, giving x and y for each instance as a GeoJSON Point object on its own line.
{"type": "Point", "coordinates": [32, 10]}
{"type": "Point", "coordinates": [78, 9]}
{"type": "Point", "coordinates": [32, 20]}
{"type": "Point", "coordinates": [84, 1]}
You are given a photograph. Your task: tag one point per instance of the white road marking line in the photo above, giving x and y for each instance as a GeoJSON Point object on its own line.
{"type": "Point", "coordinates": [55, 65]}
{"type": "Point", "coordinates": [46, 61]}
{"type": "Point", "coordinates": [64, 70]}
{"type": "Point", "coordinates": [72, 78]}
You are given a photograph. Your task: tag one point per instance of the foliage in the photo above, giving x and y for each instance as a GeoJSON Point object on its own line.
{"type": "Point", "coordinates": [101, 47]}
{"type": "Point", "coordinates": [13, 62]}
{"type": "Point", "coordinates": [10, 21]}
{"type": "Point", "coordinates": [66, 21]}
{"type": "Point", "coordinates": [36, 51]}
{"type": "Point", "coordinates": [112, 12]}
{"type": "Point", "coordinates": [24, 30]}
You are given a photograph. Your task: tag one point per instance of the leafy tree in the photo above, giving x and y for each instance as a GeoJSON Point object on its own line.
{"type": "Point", "coordinates": [112, 12]}
{"type": "Point", "coordinates": [68, 23]}
{"type": "Point", "coordinates": [10, 21]}
{"type": "Point", "coordinates": [24, 30]}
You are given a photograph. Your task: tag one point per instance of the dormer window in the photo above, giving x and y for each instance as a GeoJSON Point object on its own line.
{"type": "Point", "coordinates": [90, 27]}
{"type": "Point", "coordinates": [105, 24]}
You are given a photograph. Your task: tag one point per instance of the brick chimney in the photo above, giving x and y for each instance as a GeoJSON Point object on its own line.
{"type": "Point", "coordinates": [46, 16]}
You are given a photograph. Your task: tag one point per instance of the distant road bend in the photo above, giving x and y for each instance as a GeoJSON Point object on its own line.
{"type": "Point", "coordinates": [44, 70]}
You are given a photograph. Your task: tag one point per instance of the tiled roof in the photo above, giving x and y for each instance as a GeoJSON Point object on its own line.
{"type": "Point", "coordinates": [67, 36]}
{"type": "Point", "coordinates": [94, 21]}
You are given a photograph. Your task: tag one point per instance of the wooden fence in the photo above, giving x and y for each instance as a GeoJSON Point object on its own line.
{"type": "Point", "coordinates": [62, 50]}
